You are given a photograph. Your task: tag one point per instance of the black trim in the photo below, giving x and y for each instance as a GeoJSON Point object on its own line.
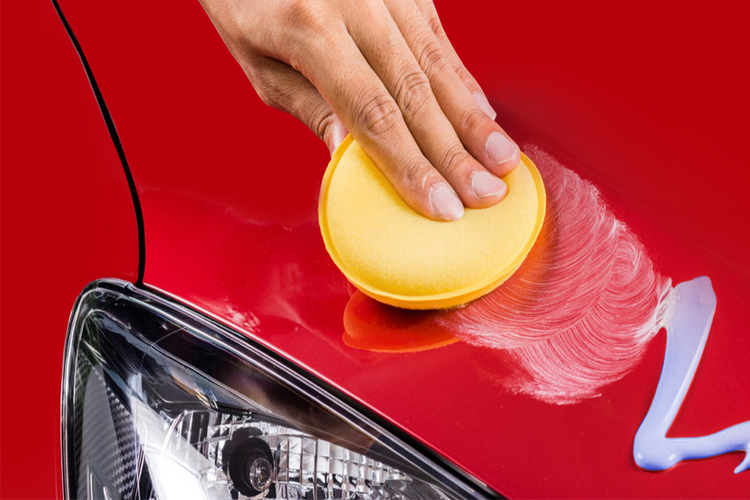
{"type": "Point", "coordinates": [115, 140]}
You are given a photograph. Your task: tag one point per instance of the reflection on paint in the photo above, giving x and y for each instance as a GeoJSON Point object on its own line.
{"type": "Point", "coordinates": [690, 311]}
{"type": "Point", "coordinates": [373, 326]}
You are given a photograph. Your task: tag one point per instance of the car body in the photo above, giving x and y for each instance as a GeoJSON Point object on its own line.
{"type": "Point", "coordinates": [647, 102]}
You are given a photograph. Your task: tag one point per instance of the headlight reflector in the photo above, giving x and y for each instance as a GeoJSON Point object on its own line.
{"type": "Point", "coordinates": [161, 402]}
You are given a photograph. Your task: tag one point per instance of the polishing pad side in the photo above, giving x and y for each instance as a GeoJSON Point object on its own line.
{"type": "Point", "coordinates": [401, 258]}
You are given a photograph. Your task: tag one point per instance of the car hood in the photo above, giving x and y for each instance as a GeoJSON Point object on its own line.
{"type": "Point", "coordinates": [277, 285]}
{"type": "Point", "coordinates": [229, 193]}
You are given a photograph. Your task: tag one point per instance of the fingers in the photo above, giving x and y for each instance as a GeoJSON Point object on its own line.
{"type": "Point", "coordinates": [481, 136]}
{"type": "Point", "coordinates": [396, 66]}
{"type": "Point", "coordinates": [361, 100]}
{"type": "Point", "coordinates": [282, 87]}
{"type": "Point", "coordinates": [378, 69]}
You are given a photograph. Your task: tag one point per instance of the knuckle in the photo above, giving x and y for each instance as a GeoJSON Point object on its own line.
{"type": "Point", "coordinates": [305, 15]}
{"type": "Point", "coordinates": [412, 93]}
{"type": "Point", "coordinates": [306, 26]}
{"type": "Point", "coordinates": [472, 119]}
{"type": "Point", "coordinates": [431, 58]}
{"type": "Point", "coordinates": [413, 174]}
{"type": "Point", "coordinates": [322, 120]}
{"type": "Point", "coordinates": [436, 26]}
{"type": "Point", "coordinates": [464, 75]}
{"type": "Point", "coordinates": [452, 159]}
{"type": "Point", "coordinates": [378, 113]}
{"type": "Point", "coordinates": [267, 88]}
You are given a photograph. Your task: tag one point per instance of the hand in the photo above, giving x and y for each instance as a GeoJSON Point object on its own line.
{"type": "Point", "coordinates": [384, 70]}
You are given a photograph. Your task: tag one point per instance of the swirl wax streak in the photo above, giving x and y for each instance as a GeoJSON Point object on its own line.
{"type": "Point", "coordinates": [580, 311]}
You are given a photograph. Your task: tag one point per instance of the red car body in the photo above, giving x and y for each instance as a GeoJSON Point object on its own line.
{"type": "Point", "coordinates": [649, 102]}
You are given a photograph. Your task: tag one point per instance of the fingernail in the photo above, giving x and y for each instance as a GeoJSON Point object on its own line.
{"type": "Point", "coordinates": [500, 149]}
{"type": "Point", "coordinates": [484, 104]}
{"type": "Point", "coordinates": [485, 184]}
{"type": "Point", "coordinates": [445, 202]}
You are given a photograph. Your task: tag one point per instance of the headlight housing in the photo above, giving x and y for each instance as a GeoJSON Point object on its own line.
{"type": "Point", "coordinates": [162, 402]}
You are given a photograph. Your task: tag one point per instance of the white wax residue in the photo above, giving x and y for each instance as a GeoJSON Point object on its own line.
{"type": "Point", "coordinates": [580, 311]}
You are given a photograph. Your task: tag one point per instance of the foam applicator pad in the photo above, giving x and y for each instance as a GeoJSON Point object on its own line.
{"type": "Point", "coordinates": [401, 258]}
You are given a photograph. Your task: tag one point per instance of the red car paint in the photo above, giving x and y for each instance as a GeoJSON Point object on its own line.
{"type": "Point", "coordinates": [66, 219]}
{"type": "Point", "coordinates": [647, 101]}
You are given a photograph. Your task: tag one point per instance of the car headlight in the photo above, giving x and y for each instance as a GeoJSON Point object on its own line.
{"type": "Point", "coordinates": [162, 402]}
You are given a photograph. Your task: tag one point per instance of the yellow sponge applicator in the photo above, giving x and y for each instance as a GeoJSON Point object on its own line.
{"type": "Point", "coordinates": [401, 258]}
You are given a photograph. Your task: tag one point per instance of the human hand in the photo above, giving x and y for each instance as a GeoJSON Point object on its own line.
{"type": "Point", "coordinates": [384, 70]}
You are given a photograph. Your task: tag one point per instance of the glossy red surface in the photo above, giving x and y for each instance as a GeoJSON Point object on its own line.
{"type": "Point", "coordinates": [647, 101]}
{"type": "Point", "coordinates": [66, 218]}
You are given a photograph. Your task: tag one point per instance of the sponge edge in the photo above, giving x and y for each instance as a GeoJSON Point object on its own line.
{"type": "Point", "coordinates": [401, 258]}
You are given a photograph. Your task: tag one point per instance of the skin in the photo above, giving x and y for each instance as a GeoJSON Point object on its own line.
{"type": "Point", "coordinates": [385, 71]}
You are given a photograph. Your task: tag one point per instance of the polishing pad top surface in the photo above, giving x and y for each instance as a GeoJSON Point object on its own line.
{"type": "Point", "coordinates": [404, 259]}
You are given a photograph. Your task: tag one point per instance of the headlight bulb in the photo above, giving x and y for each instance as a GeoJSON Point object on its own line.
{"type": "Point", "coordinates": [260, 473]}
{"type": "Point", "coordinates": [248, 462]}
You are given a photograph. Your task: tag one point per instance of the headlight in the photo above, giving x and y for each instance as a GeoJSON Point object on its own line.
{"type": "Point", "coordinates": [161, 402]}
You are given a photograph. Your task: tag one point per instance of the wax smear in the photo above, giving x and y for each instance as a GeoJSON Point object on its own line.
{"type": "Point", "coordinates": [690, 311]}
{"type": "Point", "coordinates": [580, 311]}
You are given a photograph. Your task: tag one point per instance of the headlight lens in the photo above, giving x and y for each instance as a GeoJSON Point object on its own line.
{"type": "Point", "coordinates": [161, 402]}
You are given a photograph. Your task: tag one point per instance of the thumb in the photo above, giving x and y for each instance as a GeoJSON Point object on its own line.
{"type": "Point", "coordinates": [282, 87]}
